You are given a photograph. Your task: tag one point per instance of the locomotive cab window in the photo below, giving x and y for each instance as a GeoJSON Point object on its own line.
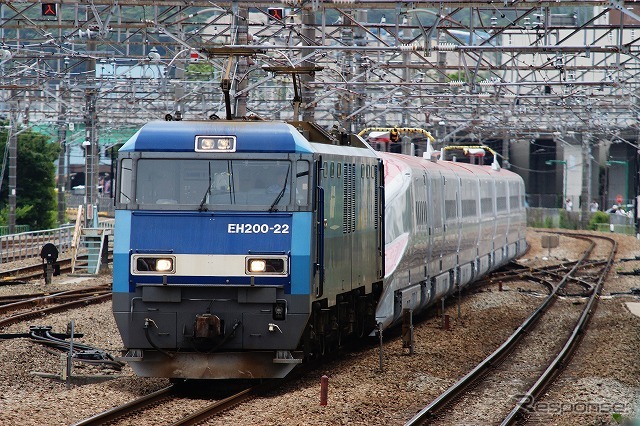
{"type": "Point", "coordinates": [302, 182]}
{"type": "Point", "coordinates": [126, 179]}
{"type": "Point", "coordinates": [204, 184]}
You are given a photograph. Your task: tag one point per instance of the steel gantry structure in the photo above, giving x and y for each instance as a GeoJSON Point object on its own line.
{"type": "Point", "coordinates": [492, 70]}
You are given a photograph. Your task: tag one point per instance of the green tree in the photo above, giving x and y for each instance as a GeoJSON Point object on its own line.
{"type": "Point", "coordinates": [200, 71]}
{"type": "Point", "coordinates": [36, 202]}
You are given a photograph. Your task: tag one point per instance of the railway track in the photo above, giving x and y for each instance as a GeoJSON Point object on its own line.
{"type": "Point", "coordinates": [494, 376]}
{"type": "Point", "coordinates": [12, 302]}
{"type": "Point", "coordinates": [548, 275]}
{"type": "Point", "coordinates": [22, 274]}
{"type": "Point", "coordinates": [25, 273]}
{"type": "Point", "coordinates": [164, 400]}
{"type": "Point", "coordinates": [36, 305]}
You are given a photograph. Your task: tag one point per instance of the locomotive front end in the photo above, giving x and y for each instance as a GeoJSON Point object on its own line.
{"type": "Point", "coordinates": [212, 255]}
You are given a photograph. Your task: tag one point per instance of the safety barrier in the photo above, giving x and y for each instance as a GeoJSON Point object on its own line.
{"type": "Point", "coordinates": [4, 230]}
{"type": "Point", "coordinates": [24, 245]}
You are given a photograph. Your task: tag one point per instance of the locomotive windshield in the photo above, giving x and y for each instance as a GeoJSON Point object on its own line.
{"type": "Point", "coordinates": [204, 184]}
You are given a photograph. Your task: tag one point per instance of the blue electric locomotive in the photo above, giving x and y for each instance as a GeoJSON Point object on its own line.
{"type": "Point", "coordinates": [241, 247]}
{"type": "Point", "coordinates": [244, 247]}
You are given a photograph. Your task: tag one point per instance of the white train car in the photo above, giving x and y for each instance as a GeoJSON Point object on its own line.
{"type": "Point", "coordinates": [447, 223]}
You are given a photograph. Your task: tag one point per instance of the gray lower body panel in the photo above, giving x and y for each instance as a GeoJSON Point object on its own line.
{"type": "Point", "coordinates": [221, 365]}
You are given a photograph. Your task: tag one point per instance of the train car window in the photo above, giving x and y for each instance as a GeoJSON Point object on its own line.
{"type": "Point", "coordinates": [468, 208]}
{"type": "Point", "coordinates": [339, 173]}
{"type": "Point", "coordinates": [486, 205]}
{"type": "Point", "coordinates": [436, 200]}
{"type": "Point", "coordinates": [514, 197]}
{"type": "Point", "coordinates": [514, 202]}
{"type": "Point", "coordinates": [361, 171]}
{"type": "Point", "coordinates": [302, 182]}
{"type": "Point", "coordinates": [501, 203]}
{"type": "Point", "coordinates": [126, 180]}
{"type": "Point", "coordinates": [324, 169]}
{"type": "Point", "coordinates": [450, 210]}
{"type": "Point", "coordinates": [451, 190]}
{"type": "Point", "coordinates": [331, 169]}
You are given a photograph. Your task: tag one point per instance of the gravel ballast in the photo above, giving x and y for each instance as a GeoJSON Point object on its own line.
{"type": "Point", "coordinates": [604, 372]}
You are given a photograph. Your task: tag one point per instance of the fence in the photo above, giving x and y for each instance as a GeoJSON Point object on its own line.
{"type": "Point", "coordinates": [617, 228]}
{"type": "Point", "coordinates": [560, 218]}
{"type": "Point", "coordinates": [4, 230]}
{"type": "Point", "coordinates": [548, 201]}
{"type": "Point", "coordinates": [28, 244]}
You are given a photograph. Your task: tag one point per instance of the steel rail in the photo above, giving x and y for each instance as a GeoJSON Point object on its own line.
{"type": "Point", "coordinates": [39, 299]}
{"type": "Point", "coordinates": [202, 414]}
{"type": "Point", "coordinates": [233, 400]}
{"type": "Point", "coordinates": [537, 274]}
{"type": "Point", "coordinates": [30, 271]}
{"type": "Point", "coordinates": [130, 407]}
{"type": "Point", "coordinates": [154, 398]}
{"type": "Point", "coordinates": [17, 275]}
{"type": "Point", "coordinates": [217, 407]}
{"type": "Point", "coordinates": [498, 355]}
{"type": "Point", "coordinates": [53, 309]}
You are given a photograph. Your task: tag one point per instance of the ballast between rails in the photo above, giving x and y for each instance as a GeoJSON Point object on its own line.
{"type": "Point", "coordinates": [457, 389]}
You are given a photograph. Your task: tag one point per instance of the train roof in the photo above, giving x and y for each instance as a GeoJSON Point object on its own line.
{"type": "Point", "coordinates": [251, 136]}
{"type": "Point", "coordinates": [398, 164]}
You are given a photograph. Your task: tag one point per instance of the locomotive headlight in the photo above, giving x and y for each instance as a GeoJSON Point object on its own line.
{"type": "Point", "coordinates": [215, 143]}
{"type": "Point", "coordinates": [164, 265]}
{"type": "Point", "coordinates": [257, 265]}
{"type": "Point", "coordinates": [224, 144]}
{"type": "Point", "coordinates": [207, 144]}
{"type": "Point", "coordinates": [153, 265]}
{"type": "Point", "coordinates": [266, 265]}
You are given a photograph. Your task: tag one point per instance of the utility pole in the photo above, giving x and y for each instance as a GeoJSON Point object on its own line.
{"type": "Point", "coordinates": [178, 87]}
{"type": "Point", "coordinates": [586, 181]}
{"type": "Point", "coordinates": [308, 93]}
{"type": "Point", "coordinates": [13, 164]}
{"type": "Point", "coordinates": [243, 36]}
{"type": "Point", "coordinates": [92, 150]}
{"type": "Point", "coordinates": [636, 188]}
{"type": "Point", "coordinates": [505, 148]}
{"type": "Point", "coordinates": [360, 39]}
{"type": "Point", "coordinates": [345, 106]}
{"type": "Point", "coordinates": [62, 141]}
